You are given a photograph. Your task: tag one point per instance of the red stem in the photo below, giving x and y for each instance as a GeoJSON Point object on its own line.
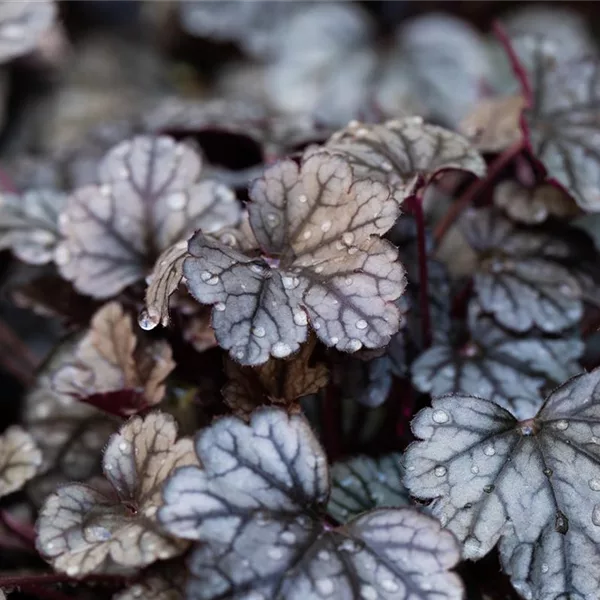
{"type": "Point", "coordinates": [52, 578]}
{"type": "Point", "coordinates": [478, 186]}
{"type": "Point", "coordinates": [415, 205]}
{"type": "Point", "coordinates": [515, 63]}
{"type": "Point", "coordinates": [43, 593]}
{"type": "Point", "coordinates": [22, 530]}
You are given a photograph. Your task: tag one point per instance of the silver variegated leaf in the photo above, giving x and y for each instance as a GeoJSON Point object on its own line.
{"type": "Point", "coordinates": [22, 24]}
{"type": "Point", "coordinates": [322, 263]}
{"type": "Point", "coordinates": [533, 485]}
{"type": "Point", "coordinates": [495, 364]}
{"type": "Point", "coordinates": [254, 505]}
{"type": "Point", "coordinates": [20, 459]}
{"type": "Point", "coordinates": [29, 224]}
{"type": "Point", "coordinates": [148, 198]}
{"type": "Point", "coordinates": [402, 151]}
{"type": "Point", "coordinates": [82, 529]}
{"type": "Point", "coordinates": [363, 483]}
{"type": "Point", "coordinates": [163, 582]}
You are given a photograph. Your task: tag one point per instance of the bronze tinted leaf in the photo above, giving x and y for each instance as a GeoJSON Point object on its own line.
{"type": "Point", "coordinates": [110, 358]}
{"type": "Point", "coordinates": [22, 24]}
{"type": "Point", "coordinates": [148, 198]}
{"type": "Point", "coordinates": [29, 224]}
{"type": "Point", "coordinates": [404, 152]}
{"type": "Point", "coordinates": [255, 505]}
{"type": "Point", "coordinates": [281, 382]}
{"type": "Point", "coordinates": [323, 262]}
{"type": "Point", "coordinates": [83, 530]}
{"type": "Point", "coordinates": [20, 459]}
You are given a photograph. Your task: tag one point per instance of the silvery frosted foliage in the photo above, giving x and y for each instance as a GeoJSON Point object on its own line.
{"type": "Point", "coordinates": [254, 509]}
{"type": "Point", "coordinates": [29, 224]}
{"type": "Point", "coordinates": [326, 63]}
{"type": "Point", "coordinates": [498, 365]}
{"type": "Point", "coordinates": [163, 582]}
{"type": "Point", "coordinates": [20, 459]}
{"type": "Point", "coordinates": [83, 529]}
{"type": "Point", "coordinates": [111, 358]}
{"type": "Point", "coordinates": [531, 485]}
{"type": "Point", "coordinates": [363, 483]}
{"type": "Point", "coordinates": [323, 263]}
{"type": "Point", "coordinates": [518, 279]}
{"type": "Point", "coordinates": [70, 434]}
{"type": "Point", "coordinates": [22, 24]}
{"type": "Point", "coordinates": [445, 63]}
{"type": "Point", "coordinates": [256, 26]}
{"type": "Point", "coordinates": [404, 153]}
{"type": "Point", "coordinates": [148, 197]}
{"type": "Point", "coordinates": [562, 123]}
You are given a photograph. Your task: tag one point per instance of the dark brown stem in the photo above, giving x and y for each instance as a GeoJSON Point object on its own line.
{"type": "Point", "coordinates": [43, 593]}
{"type": "Point", "coordinates": [52, 578]}
{"type": "Point", "coordinates": [415, 205]}
{"type": "Point", "coordinates": [476, 188]}
{"type": "Point", "coordinates": [23, 531]}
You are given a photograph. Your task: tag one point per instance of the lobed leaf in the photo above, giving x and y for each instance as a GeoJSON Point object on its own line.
{"type": "Point", "coordinates": [29, 224]}
{"type": "Point", "coordinates": [20, 459]}
{"type": "Point", "coordinates": [22, 24]}
{"type": "Point", "coordinates": [531, 485]}
{"type": "Point", "coordinates": [83, 530]}
{"type": "Point", "coordinates": [322, 262]}
{"type": "Point", "coordinates": [363, 483]}
{"type": "Point", "coordinates": [404, 153]}
{"type": "Point", "coordinates": [148, 198]}
{"type": "Point", "coordinates": [253, 506]}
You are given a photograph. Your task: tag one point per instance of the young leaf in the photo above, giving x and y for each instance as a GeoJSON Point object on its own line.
{"type": "Point", "coordinates": [281, 382]}
{"type": "Point", "coordinates": [533, 205]}
{"type": "Point", "coordinates": [323, 261]}
{"type": "Point", "coordinates": [404, 153]}
{"type": "Point", "coordinates": [363, 483]}
{"type": "Point", "coordinates": [532, 485]}
{"type": "Point", "coordinates": [20, 459]}
{"type": "Point", "coordinates": [253, 507]}
{"type": "Point", "coordinates": [497, 365]}
{"type": "Point", "coordinates": [109, 359]}
{"type": "Point", "coordinates": [148, 198]}
{"type": "Point", "coordinates": [29, 224]}
{"type": "Point", "coordinates": [83, 530]}
{"type": "Point", "coordinates": [22, 24]}
{"type": "Point", "coordinates": [521, 288]}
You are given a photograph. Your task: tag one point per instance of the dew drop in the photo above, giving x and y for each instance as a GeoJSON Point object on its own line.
{"type": "Point", "coordinates": [279, 350]}
{"type": "Point", "coordinates": [324, 586]}
{"type": "Point", "coordinates": [545, 568]}
{"type": "Point", "coordinates": [361, 324]}
{"type": "Point", "coordinates": [440, 416]}
{"type": "Point", "coordinates": [300, 318]}
{"type": "Point", "coordinates": [325, 226]}
{"type": "Point", "coordinates": [220, 306]}
{"type": "Point", "coordinates": [275, 553]}
{"type": "Point", "coordinates": [561, 523]}
{"type": "Point", "coordinates": [368, 592]}
{"type": "Point", "coordinates": [474, 469]}
{"type": "Point", "coordinates": [595, 440]}
{"type": "Point", "coordinates": [352, 250]}
{"type": "Point", "coordinates": [440, 471]}
{"type": "Point", "coordinates": [213, 280]}
{"type": "Point", "coordinates": [488, 489]}
{"type": "Point", "coordinates": [548, 472]}
{"type": "Point", "coordinates": [489, 450]}
{"type": "Point", "coordinates": [596, 515]}
{"type": "Point", "coordinates": [335, 340]}
{"type": "Point", "coordinates": [389, 585]}
{"type": "Point", "coordinates": [257, 268]}
{"type": "Point", "coordinates": [177, 201]}
{"type": "Point", "coordinates": [348, 238]}
{"type": "Point", "coordinates": [62, 255]}
{"type": "Point", "coordinates": [288, 537]}
{"type": "Point", "coordinates": [323, 555]}
{"type": "Point", "coordinates": [348, 545]}
{"type": "Point", "coordinates": [472, 547]}
{"type": "Point", "coordinates": [594, 484]}
{"type": "Point", "coordinates": [273, 219]}
{"type": "Point", "coordinates": [354, 345]}
{"type": "Point", "coordinates": [123, 446]}
{"type": "Point", "coordinates": [319, 269]}
{"type": "Point", "coordinates": [72, 570]}
{"type": "Point", "coordinates": [302, 198]}
{"type": "Point", "coordinates": [306, 235]}
{"type": "Point", "coordinates": [240, 354]}
{"type": "Point", "coordinates": [362, 132]}
{"type": "Point", "coordinates": [205, 275]}
{"type": "Point", "coordinates": [289, 283]}
{"type": "Point", "coordinates": [147, 321]}
{"type": "Point", "coordinates": [259, 332]}
{"type": "Point", "coordinates": [561, 425]}
{"type": "Point", "coordinates": [348, 281]}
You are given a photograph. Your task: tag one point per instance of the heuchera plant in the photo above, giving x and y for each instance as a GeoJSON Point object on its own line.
{"type": "Point", "coordinates": [332, 346]}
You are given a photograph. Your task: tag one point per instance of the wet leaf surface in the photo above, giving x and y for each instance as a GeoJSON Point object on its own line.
{"type": "Point", "coordinates": [82, 529]}
{"type": "Point", "coordinates": [363, 483]}
{"type": "Point", "coordinates": [164, 582]}
{"type": "Point", "coordinates": [29, 224]}
{"type": "Point", "coordinates": [148, 198]}
{"type": "Point", "coordinates": [322, 263]}
{"type": "Point", "coordinates": [20, 459]}
{"type": "Point", "coordinates": [111, 359]}
{"type": "Point", "coordinates": [509, 370]}
{"type": "Point", "coordinates": [404, 152]}
{"type": "Point", "coordinates": [22, 24]}
{"type": "Point", "coordinates": [531, 485]}
{"type": "Point", "coordinates": [254, 508]}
